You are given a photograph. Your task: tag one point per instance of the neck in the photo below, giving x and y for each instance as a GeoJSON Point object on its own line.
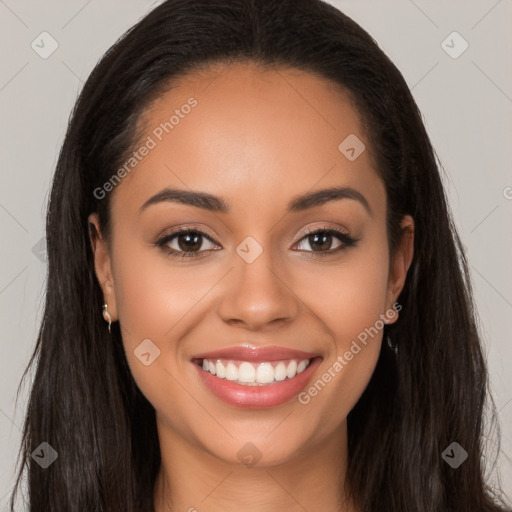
{"type": "Point", "coordinates": [193, 480]}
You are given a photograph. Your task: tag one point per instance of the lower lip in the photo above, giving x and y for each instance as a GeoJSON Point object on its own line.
{"type": "Point", "coordinates": [258, 397]}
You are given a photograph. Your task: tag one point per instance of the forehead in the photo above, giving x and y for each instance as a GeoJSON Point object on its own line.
{"type": "Point", "coordinates": [249, 133]}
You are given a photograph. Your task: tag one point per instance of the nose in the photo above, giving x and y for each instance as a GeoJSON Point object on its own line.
{"type": "Point", "coordinates": [256, 295]}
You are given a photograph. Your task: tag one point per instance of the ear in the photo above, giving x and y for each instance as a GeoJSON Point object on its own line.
{"type": "Point", "coordinates": [400, 263]}
{"type": "Point", "coordinates": [102, 264]}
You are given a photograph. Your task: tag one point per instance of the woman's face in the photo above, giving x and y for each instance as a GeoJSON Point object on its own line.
{"type": "Point", "coordinates": [256, 142]}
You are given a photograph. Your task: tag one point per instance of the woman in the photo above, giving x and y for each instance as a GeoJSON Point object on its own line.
{"type": "Point", "coordinates": [257, 299]}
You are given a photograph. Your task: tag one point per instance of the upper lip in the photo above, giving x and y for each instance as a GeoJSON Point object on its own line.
{"type": "Point", "coordinates": [253, 354]}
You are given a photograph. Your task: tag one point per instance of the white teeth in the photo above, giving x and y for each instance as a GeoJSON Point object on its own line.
{"type": "Point", "coordinates": [265, 373]}
{"type": "Point", "coordinates": [291, 371]}
{"type": "Point", "coordinates": [231, 372]}
{"type": "Point", "coordinates": [255, 374]}
{"type": "Point", "coordinates": [246, 372]}
{"type": "Point", "coordinates": [301, 366]}
{"type": "Point", "coordinates": [220, 370]}
{"type": "Point", "coordinates": [280, 371]}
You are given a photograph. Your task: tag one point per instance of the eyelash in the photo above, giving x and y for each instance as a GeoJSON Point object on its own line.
{"type": "Point", "coordinates": [347, 241]}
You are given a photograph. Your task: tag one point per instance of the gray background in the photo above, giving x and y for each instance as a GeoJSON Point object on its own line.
{"type": "Point", "coordinates": [466, 103]}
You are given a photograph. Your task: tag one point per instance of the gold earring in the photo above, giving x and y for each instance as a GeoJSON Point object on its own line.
{"type": "Point", "coordinates": [106, 316]}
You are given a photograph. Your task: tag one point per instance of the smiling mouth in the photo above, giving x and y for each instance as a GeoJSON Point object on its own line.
{"type": "Point", "coordinates": [247, 373]}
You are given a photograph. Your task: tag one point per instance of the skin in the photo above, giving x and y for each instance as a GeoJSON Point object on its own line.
{"type": "Point", "coordinates": [258, 138]}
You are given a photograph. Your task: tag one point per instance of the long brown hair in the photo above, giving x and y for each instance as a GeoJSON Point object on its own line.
{"type": "Point", "coordinates": [430, 386]}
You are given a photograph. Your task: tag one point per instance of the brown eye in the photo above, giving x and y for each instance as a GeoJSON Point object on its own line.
{"type": "Point", "coordinates": [189, 241]}
{"type": "Point", "coordinates": [185, 243]}
{"type": "Point", "coordinates": [320, 241]}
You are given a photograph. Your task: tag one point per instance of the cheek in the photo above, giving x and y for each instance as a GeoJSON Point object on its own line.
{"type": "Point", "coordinates": [350, 296]}
{"type": "Point", "coordinates": [155, 301]}
{"type": "Point", "coordinates": [141, 295]}
{"type": "Point", "coordinates": [351, 307]}
{"type": "Point", "coordinates": [153, 295]}
{"type": "Point", "coordinates": [361, 304]}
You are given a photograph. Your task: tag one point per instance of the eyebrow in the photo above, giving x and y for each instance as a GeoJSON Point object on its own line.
{"type": "Point", "coordinates": [217, 204]}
